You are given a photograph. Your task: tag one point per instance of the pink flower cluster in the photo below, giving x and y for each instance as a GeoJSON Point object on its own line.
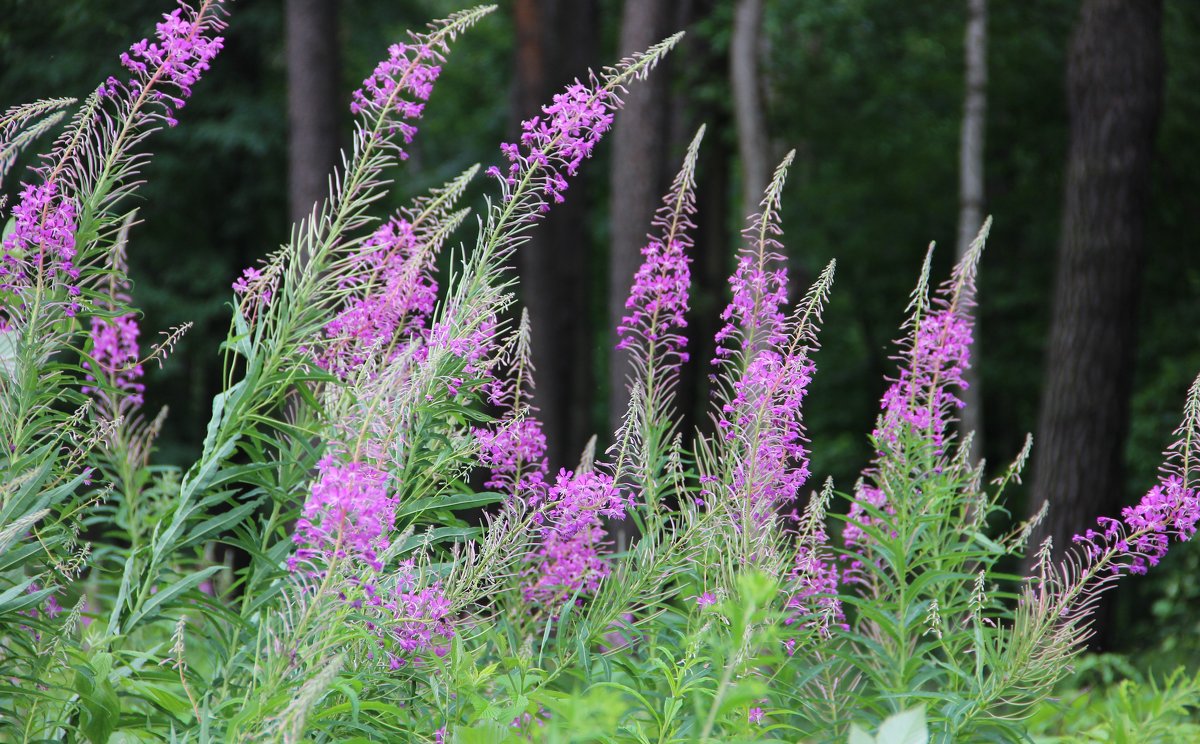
{"type": "Point", "coordinates": [658, 303]}
{"type": "Point", "coordinates": [857, 519]}
{"type": "Point", "coordinates": [115, 350]}
{"type": "Point", "coordinates": [755, 315]}
{"type": "Point", "coordinates": [766, 410]}
{"type": "Point", "coordinates": [571, 526]}
{"type": "Point", "coordinates": [815, 586]}
{"type": "Point", "coordinates": [474, 348]}
{"type": "Point", "coordinates": [408, 69]}
{"type": "Point", "coordinates": [923, 396]}
{"type": "Point", "coordinates": [516, 454]}
{"type": "Point", "coordinates": [183, 50]}
{"type": "Point", "coordinates": [397, 295]}
{"type": "Point", "coordinates": [1169, 508]}
{"type": "Point", "coordinates": [560, 140]}
{"type": "Point", "coordinates": [255, 285]}
{"type": "Point", "coordinates": [42, 242]}
{"type": "Point", "coordinates": [348, 512]}
{"type": "Point", "coordinates": [408, 619]}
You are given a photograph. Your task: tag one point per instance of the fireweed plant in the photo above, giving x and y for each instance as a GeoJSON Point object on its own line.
{"type": "Point", "coordinates": [314, 576]}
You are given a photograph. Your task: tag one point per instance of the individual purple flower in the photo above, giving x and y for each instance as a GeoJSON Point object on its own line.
{"type": "Point", "coordinates": [41, 246]}
{"type": "Point", "coordinates": [559, 140]}
{"type": "Point", "coordinates": [571, 529]}
{"type": "Point", "coordinates": [183, 48]}
{"type": "Point", "coordinates": [348, 512]}
{"type": "Point", "coordinates": [755, 716]}
{"type": "Point", "coordinates": [707, 599]}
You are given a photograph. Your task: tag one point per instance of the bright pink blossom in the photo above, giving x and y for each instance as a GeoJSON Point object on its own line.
{"type": "Point", "coordinates": [348, 511]}
{"type": "Point", "coordinates": [42, 243]}
{"type": "Point", "coordinates": [183, 49]}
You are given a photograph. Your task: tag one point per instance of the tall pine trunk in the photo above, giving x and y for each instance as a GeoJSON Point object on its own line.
{"type": "Point", "coordinates": [314, 101]}
{"type": "Point", "coordinates": [753, 143]}
{"type": "Point", "coordinates": [1114, 95]}
{"type": "Point", "coordinates": [638, 176]}
{"type": "Point", "coordinates": [970, 186]}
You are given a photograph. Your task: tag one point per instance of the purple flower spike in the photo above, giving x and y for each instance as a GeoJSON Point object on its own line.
{"type": "Point", "coordinates": [397, 295]}
{"type": "Point", "coordinates": [184, 47]}
{"type": "Point", "coordinates": [348, 509]}
{"type": "Point", "coordinates": [569, 560]}
{"type": "Point", "coordinates": [558, 141]}
{"type": "Point", "coordinates": [42, 243]}
{"type": "Point", "coordinates": [393, 95]}
{"type": "Point", "coordinates": [115, 349]}
{"type": "Point", "coordinates": [652, 329]}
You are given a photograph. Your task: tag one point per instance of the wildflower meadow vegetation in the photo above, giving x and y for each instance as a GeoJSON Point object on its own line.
{"type": "Point", "coordinates": [372, 547]}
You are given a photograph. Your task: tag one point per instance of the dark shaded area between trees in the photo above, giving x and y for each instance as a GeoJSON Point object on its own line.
{"type": "Point", "coordinates": [869, 92]}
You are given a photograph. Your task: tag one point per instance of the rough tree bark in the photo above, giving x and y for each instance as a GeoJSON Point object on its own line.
{"type": "Point", "coordinates": [555, 44]}
{"type": "Point", "coordinates": [1114, 94]}
{"type": "Point", "coordinates": [637, 177]}
{"type": "Point", "coordinates": [970, 187]}
{"type": "Point", "coordinates": [314, 101]}
{"type": "Point", "coordinates": [753, 143]}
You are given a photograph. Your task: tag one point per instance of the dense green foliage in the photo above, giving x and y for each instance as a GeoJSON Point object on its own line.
{"type": "Point", "coordinates": [264, 651]}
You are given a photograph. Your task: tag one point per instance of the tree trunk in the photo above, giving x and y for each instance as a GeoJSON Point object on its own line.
{"type": "Point", "coordinates": [970, 189]}
{"type": "Point", "coordinates": [314, 102]}
{"type": "Point", "coordinates": [555, 44]}
{"type": "Point", "coordinates": [637, 180]}
{"type": "Point", "coordinates": [1114, 95]}
{"type": "Point", "coordinates": [753, 144]}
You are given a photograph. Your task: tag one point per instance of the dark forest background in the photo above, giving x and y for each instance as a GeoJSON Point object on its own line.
{"type": "Point", "coordinates": [1089, 161]}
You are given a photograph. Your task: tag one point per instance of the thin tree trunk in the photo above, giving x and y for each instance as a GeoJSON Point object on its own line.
{"type": "Point", "coordinates": [753, 143]}
{"type": "Point", "coordinates": [314, 101]}
{"type": "Point", "coordinates": [1114, 91]}
{"type": "Point", "coordinates": [637, 180]}
{"type": "Point", "coordinates": [970, 188]}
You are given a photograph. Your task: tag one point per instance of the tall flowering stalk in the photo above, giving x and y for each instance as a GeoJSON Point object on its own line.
{"type": "Point", "coordinates": [66, 222]}
{"type": "Point", "coordinates": [766, 366]}
{"type": "Point", "coordinates": [1051, 622]}
{"type": "Point", "coordinates": [391, 284]}
{"type": "Point", "coordinates": [652, 330]}
{"type": "Point", "coordinates": [912, 430]}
